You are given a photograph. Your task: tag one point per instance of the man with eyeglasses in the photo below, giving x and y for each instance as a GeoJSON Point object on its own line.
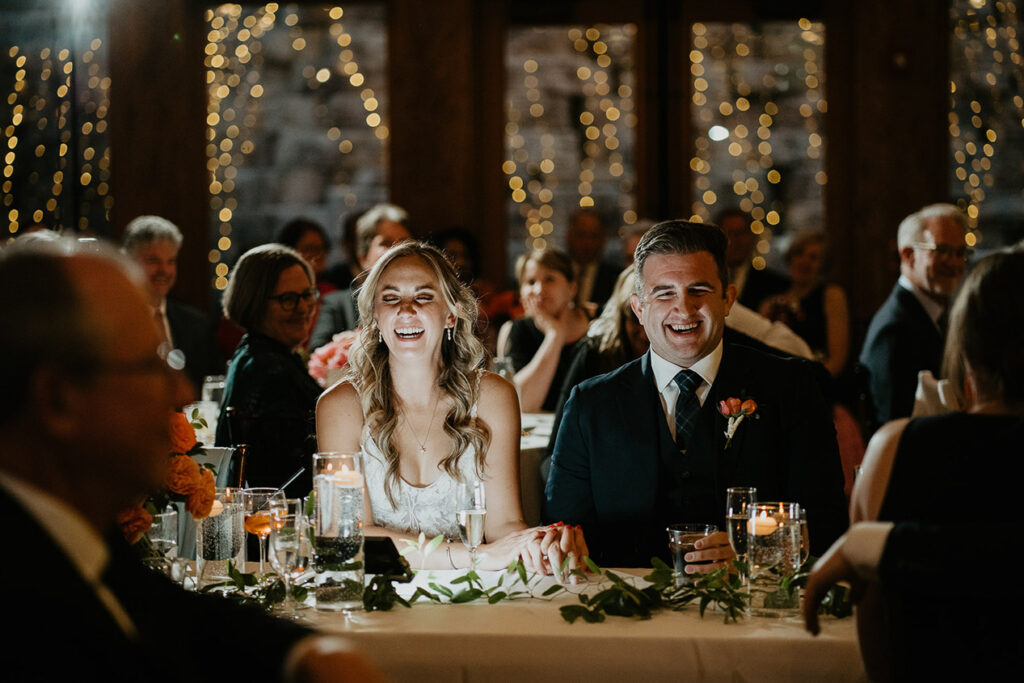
{"type": "Point", "coordinates": [85, 433]}
{"type": "Point", "coordinates": [908, 332]}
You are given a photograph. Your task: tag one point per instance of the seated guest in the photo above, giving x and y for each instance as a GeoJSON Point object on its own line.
{"type": "Point", "coordinates": [542, 345]}
{"type": "Point", "coordinates": [377, 230]}
{"type": "Point", "coordinates": [584, 241]}
{"type": "Point", "coordinates": [645, 446]}
{"type": "Point", "coordinates": [154, 243]}
{"type": "Point", "coordinates": [427, 418]}
{"type": "Point", "coordinates": [269, 397]}
{"type": "Point", "coordinates": [752, 285]}
{"type": "Point", "coordinates": [930, 483]}
{"type": "Point", "coordinates": [310, 240]}
{"type": "Point", "coordinates": [815, 310]}
{"type": "Point", "coordinates": [907, 332]}
{"type": "Point", "coordinates": [84, 434]}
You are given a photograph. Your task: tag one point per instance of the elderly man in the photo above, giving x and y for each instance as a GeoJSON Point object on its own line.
{"type": "Point", "coordinates": [585, 241]}
{"type": "Point", "coordinates": [908, 331]}
{"type": "Point", "coordinates": [645, 446]}
{"type": "Point", "coordinates": [154, 243]}
{"type": "Point", "coordinates": [377, 230]}
{"type": "Point", "coordinates": [752, 286]}
{"type": "Point", "coordinates": [84, 433]}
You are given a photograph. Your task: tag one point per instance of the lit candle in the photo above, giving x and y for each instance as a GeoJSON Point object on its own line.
{"type": "Point", "coordinates": [348, 478]}
{"type": "Point", "coordinates": [763, 524]}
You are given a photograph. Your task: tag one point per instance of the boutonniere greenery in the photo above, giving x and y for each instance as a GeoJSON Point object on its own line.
{"type": "Point", "coordinates": [735, 411]}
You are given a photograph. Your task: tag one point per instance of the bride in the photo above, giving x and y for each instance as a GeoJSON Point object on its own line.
{"type": "Point", "coordinates": [427, 418]}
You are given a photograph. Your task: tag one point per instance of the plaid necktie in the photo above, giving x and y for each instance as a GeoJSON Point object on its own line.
{"type": "Point", "coordinates": [687, 405]}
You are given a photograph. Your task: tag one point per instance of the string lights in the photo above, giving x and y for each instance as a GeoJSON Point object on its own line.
{"type": "Point", "coordinates": [986, 114]}
{"type": "Point", "coordinates": [240, 92]}
{"type": "Point", "coordinates": [753, 92]}
{"type": "Point", "coordinates": [569, 126]}
{"type": "Point", "coordinates": [56, 157]}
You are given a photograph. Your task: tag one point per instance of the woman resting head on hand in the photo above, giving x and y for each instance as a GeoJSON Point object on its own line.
{"type": "Point", "coordinates": [427, 418]}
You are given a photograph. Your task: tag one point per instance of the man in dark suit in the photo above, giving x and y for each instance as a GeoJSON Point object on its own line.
{"type": "Point", "coordinates": [907, 333]}
{"type": "Point", "coordinates": [154, 243]}
{"type": "Point", "coordinates": [645, 446]}
{"type": "Point", "coordinates": [753, 285]}
{"type": "Point", "coordinates": [84, 434]}
{"type": "Point", "coordinates": [585, 241]}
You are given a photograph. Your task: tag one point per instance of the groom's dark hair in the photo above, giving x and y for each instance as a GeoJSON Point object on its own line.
{"type": "Point", "coordinates": [681, 237]}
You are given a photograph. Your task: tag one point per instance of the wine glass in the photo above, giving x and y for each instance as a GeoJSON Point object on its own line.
{"type": "Point", "coordinates": [472, 510]}
{"type": "Point", "coordinates": [257, 515]}
{"type": "Point", "coordinates": [737, 513]}
{"type": "Point", "coordinates": [289, 546]}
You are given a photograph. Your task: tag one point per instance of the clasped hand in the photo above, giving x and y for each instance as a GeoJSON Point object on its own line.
{"type": "Point", "coordinates": [714, 550]}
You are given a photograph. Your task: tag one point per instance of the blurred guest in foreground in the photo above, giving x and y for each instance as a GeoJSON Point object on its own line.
{"type": "Point", "coordinates": [154, 243]}
{"type": "Point", "coordinates": [269, 397]}
{"type": "Point", "coordinates": [907, 332]}
{"type": "Point", "coordinates": [542, 345]}
{"type": "Point", "coordinates": [377, 230]}
{"type": "Point", "coordinates": [85, 433]}
{"type": "Point", "coordinates": [427, 418]}
{"type": "Point", "coordinates": [815, 310]}
{"type": "Point", "coordinates": [930, 487]}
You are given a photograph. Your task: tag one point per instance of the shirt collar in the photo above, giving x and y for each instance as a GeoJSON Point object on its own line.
{"type": "Point", "coordinates": [76, 537]}
{"type": "Point", "coordinates": [707, 367]}
{"type": "Point", "coordinates": [932, 307]}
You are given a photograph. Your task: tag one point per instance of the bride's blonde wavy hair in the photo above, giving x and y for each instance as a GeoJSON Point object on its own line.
{"type": "Point", "coordinates": [461, 358]}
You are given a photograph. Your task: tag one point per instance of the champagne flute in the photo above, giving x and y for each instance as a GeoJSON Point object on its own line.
{"type": "Point", "coordinates": [737, 513]}
{"type": "Point", "coordinates": [257, 515]}
{"type": "Point", "coordinates": [289, 546]}
{"type": "Point", "coordinates": [472, 510]}
{"type": "Point", "coordinates": [805, 537]}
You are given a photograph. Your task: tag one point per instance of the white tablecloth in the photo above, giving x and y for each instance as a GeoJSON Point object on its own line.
{"type": "Point", "coordinates": [527, 640]}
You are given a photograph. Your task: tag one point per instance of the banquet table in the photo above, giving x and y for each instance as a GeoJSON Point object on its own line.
{"type": "Point", "coordinates": [527, 640]}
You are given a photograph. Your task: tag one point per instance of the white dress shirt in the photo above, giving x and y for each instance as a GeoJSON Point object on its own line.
{"type": "Point", "coordinates": [664, 379]}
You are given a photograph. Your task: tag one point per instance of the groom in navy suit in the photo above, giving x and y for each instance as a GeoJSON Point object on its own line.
{"type": "Point", "coordinates": [646, 446]}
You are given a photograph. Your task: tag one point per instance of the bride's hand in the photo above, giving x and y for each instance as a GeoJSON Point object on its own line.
{"type": "Point", "coordinates": [559, 542]}
{"type": "Point", "coordinates": [513, 546]}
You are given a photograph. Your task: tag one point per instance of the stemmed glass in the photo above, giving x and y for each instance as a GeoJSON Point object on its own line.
{"type": "Point", "coordinates": [805, 538]}
{"type": "Point", "coordinates": [257, 515]}
{"type": "Point", "coordinates": [472, 510]}
{"type": "Point", "coordinates": [737, 513]}
{"type": "Point", "coordinates": [290, 546]}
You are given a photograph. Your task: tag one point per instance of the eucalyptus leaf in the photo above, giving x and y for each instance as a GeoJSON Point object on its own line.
{"type": "Point", "coordinates": [432, 546]}
{"type": "Point", "coordinates": [468, 595]}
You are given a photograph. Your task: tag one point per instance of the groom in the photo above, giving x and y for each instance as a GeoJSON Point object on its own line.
{"type": "Point", "coordinates": [645, 446]}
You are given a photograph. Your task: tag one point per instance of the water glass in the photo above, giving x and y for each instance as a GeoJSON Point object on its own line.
{"type": "Point", "coordinates": [257, 515]}
{"type": "Point", "coordinates": [738, 500]}
{"type": "Point", "coordinates": [773, 554]}
{"type": "Point", "coordinates": [290, 547]}
{"type": "Point", "coordinates": [220, 538]}
{"type": "Point", "coordinates": [338, 531]}
{"type": "Point", "coordinates": [163, 534]}
{"type": "Point", "coordinates": [681, 540]}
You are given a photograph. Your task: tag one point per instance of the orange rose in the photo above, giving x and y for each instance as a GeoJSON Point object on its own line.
{"type": "Point", "coordinates": [183, 436]}
{"type": "Point", "coordinates": [200, 501]}
{"type": "Point", "coordinates": [183, 476]}
{"type": "Point", "coordinates": [134, 522]}
{"type": "Point", "coordinates": [734, 405]}
{"type": "Point", "coordinates": [749, 406]}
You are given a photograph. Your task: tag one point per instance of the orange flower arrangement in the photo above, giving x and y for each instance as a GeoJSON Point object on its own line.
{"type": "Point", "coordinates": [186, 482]}
{"type": "Point", "coordinates": [134, 522]}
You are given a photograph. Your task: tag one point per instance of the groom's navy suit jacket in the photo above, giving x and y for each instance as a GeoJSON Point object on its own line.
{"type": "Point", "coordinates": [616, 470]}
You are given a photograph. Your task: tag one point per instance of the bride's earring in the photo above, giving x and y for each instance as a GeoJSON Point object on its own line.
{"type": "Point", "coordinates": [448, 332]}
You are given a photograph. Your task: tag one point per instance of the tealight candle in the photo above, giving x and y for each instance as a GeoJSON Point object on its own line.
{"type": "Point", "coordinates": [763, 524]}
{"type": "Point", "coordinates": [348, 478]}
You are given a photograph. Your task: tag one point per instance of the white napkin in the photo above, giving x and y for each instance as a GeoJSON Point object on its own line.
{"type": "Point", "coordinates": [934, 397]}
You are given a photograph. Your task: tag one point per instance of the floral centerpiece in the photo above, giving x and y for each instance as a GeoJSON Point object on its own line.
{"type": "Point", "coordinates": [186, 482]}
{"type": "Point", "coordinates": [332, 356]}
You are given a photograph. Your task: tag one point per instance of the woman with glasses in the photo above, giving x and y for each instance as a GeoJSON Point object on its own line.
{"type": "Point", "coordinates": [269, 397]}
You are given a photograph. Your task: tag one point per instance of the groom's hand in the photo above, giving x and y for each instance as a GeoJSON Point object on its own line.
{"type": "Point", "coordinates": [714, 550]}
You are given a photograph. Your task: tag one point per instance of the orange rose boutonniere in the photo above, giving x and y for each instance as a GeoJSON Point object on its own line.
{"type": "Point", "coordinates": [735, 410]}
